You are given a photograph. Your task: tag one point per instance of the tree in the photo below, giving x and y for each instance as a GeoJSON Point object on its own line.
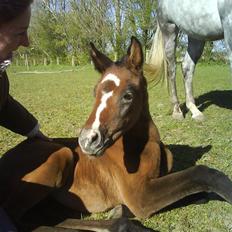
{"type": "Point", "coordinates": [142, 19]}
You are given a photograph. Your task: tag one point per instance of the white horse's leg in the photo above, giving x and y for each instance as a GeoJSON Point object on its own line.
{"type": "Point", "coordinates": [228, 39]}
{"type": "Point", "coordinates": [170, 32]}
{"type": "Point", "coordinates": [194, 51]}
{"type": "Point", "coordinates": [226, 19]}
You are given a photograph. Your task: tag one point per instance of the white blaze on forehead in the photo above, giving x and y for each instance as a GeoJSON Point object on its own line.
{"type": "Point", "coordinates": [100, 108]}
{"type": "Point", "coordinates": [111, 77]}
{"type": "Point", "coordinates": [104, 98]}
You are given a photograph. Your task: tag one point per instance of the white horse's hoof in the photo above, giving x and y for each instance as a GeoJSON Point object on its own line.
{"type": "Point", "coordinates": [198, 117]}
{"type": "Point", "coordinates": [178, 115]}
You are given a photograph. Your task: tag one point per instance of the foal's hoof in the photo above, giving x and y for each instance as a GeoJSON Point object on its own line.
{"type": "Point", "coordinates": [120, 211]}
{"type": "Point", "coordinates": [198, 117]}
{"type": "Point", "coordinates": [178, 116]}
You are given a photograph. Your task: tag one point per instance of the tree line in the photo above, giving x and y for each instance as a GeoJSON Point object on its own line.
{"type": "Point", "coordinates": [61, 30]}
{"type": "Point", "coordinates": [64, 28]}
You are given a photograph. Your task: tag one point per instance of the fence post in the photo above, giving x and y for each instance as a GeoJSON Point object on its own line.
{"type": "Point", "coordinates": [147, 55]}
{"type": "Point", "coordinates": [115, 56]}
{"type": "Point", "coordinates": [73, 61]}
{"type": "Point", "coordinates": [57, 60]}
{"type": "Point", "coordinates": [45, 61]}
{"type": "Point", "coordinates": [26, 62]}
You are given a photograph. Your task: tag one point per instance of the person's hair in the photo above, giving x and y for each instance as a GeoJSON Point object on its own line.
{"type": "Point", "coordinates": [11, 9]}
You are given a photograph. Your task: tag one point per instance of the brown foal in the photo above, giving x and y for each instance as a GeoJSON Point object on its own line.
{"type": "Point", "coordinates": [119, 158]}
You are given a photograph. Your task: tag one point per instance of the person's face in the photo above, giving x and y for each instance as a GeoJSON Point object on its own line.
{"type": "Point", "coordinates": [14, 34]}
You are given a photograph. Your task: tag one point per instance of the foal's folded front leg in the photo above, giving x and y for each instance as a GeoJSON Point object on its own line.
{"type": "Point", "coordinates": [158, 193]}
{"type": "Point", "coordinates": [39, 183]}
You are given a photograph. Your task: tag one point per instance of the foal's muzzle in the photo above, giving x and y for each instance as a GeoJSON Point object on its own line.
{"type": "Point", "coordinates": [91, 142]}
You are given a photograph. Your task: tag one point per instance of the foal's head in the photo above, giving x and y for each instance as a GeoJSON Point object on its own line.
{"type": "Point", "coordinates": [120, 98]}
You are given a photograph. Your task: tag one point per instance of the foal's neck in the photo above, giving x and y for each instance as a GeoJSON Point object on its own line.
{"type": "Point", "coordinates": [144, 129]}
{"type": "Point", "coordinates": [138, 147]}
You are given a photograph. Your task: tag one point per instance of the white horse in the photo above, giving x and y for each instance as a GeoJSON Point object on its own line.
{"type": "Point", "coordinates": [202, 21]}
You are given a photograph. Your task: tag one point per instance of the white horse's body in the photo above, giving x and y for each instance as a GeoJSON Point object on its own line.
{"type": "Point", "coordinates": [199, 26]}
{"type": "Point", "coordinates": [201, 21]}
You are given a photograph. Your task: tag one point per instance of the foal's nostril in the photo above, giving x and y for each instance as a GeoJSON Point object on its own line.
{"type": "Point", "coordinates": [95, 138]}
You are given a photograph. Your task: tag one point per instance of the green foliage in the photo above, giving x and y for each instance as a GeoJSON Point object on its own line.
{"type": "Point", "coordinates": [47, 33]}
{"type": "Point", "coordinates": [141, 20]}
{"type": "Point", "coordinates": [64, 28]}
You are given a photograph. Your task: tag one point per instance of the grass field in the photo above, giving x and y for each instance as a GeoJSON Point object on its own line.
{"type": "Point", "coordinates": [62, 101]}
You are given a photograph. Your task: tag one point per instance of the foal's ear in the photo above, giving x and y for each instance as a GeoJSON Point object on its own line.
{"type": "Point", "coordinates": [135, 54]}
{"type": "Point", "coordinates": [101, 62]}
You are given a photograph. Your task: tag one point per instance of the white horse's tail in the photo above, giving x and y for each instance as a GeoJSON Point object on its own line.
{"type": "Point", "coordinates": [156, 67]}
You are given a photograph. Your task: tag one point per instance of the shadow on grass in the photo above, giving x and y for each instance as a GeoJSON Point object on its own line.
{"type": "Point", "coordinates": [220, 98]}
{"type": "Point", "coordinates": [195, 199]}
{"type": "Point", "coordinates": [186, 156]}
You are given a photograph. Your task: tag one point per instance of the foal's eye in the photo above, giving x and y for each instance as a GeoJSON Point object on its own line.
{"type": "Point", "coordinates": [128, 97]}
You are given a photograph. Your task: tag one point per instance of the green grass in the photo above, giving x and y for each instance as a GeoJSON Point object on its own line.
{"type": "Point", "coordinates": [62, 101]}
